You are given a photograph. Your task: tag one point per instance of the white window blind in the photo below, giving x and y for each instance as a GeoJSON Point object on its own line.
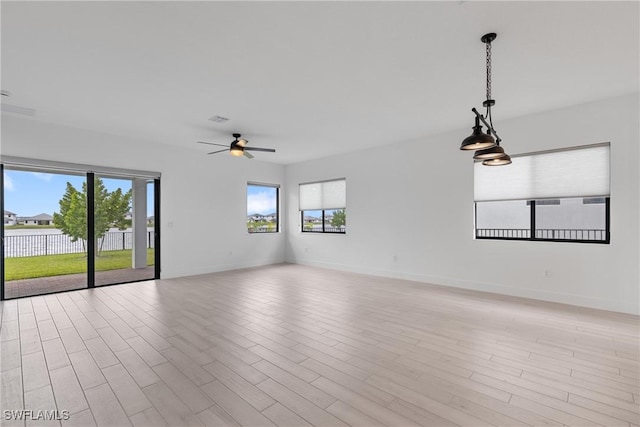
{"type": "Point", "coordinates": [323, 195]}
{"type": "Point", "coordinates": [574, 172]}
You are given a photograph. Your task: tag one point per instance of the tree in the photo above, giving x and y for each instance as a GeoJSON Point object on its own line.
{"type": "Point", "coordinates": [339, 218]}
{"type": "Point", "coordinates": [72, 219]}
{"type": "Point", "coordinates": [110, 210]}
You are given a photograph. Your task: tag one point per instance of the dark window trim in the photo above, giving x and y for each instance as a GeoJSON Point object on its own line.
{"type": "Point", "coordinates": [277, 187]}
{"type": "Point", "coordinates": [532, 219]}
{"type": "Point", "coordinates": [156, 227]}
{"type": "Point", "coordinates": [2, 232]}
{"type": "Point", "coordinates": [91, 233]}
{"type": "Point", "coordinates": [532, 208]}
{"type": "Point", "coordinates": [323, 223]}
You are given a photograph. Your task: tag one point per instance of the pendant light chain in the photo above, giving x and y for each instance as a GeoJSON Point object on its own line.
{"type": "Point", "coordinates": [488, 113]}
{"type": "Point", "coordinates": [488, 70]}
{"type": "Point", "coordinates": [486, 145]}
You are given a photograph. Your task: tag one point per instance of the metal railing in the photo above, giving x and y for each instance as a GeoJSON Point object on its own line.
{"type": "Point", "coordinates": [317, 228]}
{"type": "Point", "coordinates": [262, 229]}
{"type": "Point", "coordinates": [504, 233]}
{"type": "Point", "coordinates": [571, 234]}
{"type": "Point", "coordinates": [543, 233]}
{"type": "Point", "coordinates": [56, 244]}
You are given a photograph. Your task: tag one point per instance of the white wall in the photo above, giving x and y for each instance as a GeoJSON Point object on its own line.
{"type": "Point", "coordinates": [203, 198]}
{"type": "Point", "coordinates": [414, 201]}
{"type": "Point", "coordinates": [411, 200]}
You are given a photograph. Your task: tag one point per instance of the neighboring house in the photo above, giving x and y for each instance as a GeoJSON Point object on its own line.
{"type": "Point", "coordinates": [42, 219]}
{"type": "Point", "coordinates": [269, 217]}
{"type": "Point", "coordinates": [312, 219]}
{"type": "Point", "coordinates": [10, 218]}
{"type": "Point", "coordinates": [255, 218]}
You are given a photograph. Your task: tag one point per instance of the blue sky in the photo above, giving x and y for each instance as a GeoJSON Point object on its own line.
{"type": "Point", "coordinates": [33, 193]}
{"type": "Point", "coordinates": [261, 200]}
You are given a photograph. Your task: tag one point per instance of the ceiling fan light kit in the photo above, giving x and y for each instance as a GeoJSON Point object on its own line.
{"type": "Point", "coordinates": [487, 145]}
{"type": "Point", "coordinates": [238, 147]}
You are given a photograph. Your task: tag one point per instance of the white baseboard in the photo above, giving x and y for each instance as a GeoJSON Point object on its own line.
{"type": "Point", "coordinates": [628, 307]}
{"type": "Point", "coordinates": [171, 273]}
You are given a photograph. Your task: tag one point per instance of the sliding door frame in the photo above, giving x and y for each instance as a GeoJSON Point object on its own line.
{"type": "Point", "coordinates": [91, 234]}
{"type": "Point", "coordinates": [2, 232]}
{"type": "Point", "coordinates": [156, 227]}
{"type": "Point", "coordinates": [90, 173]}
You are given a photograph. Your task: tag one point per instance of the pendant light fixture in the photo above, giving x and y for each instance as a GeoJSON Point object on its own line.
{"type": "Point", "coordinates": [487, 144]}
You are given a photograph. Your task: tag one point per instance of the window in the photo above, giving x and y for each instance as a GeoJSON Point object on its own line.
{"type": "Point", "coordinates": [323, 206]}
{"type": "Point", "coordinates": [509, 219]}
{"type": "Point", "coordinates": [560, 195]}
{"type": "Point", "coordinates": [263, 208]}
{"type": "Point", "coordinates": [74, 226]}
{"type": "Point", "coordinates": [572, 219]}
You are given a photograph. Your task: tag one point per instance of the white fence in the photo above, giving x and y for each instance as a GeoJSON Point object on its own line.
{"type": "Point", "coordinates": [25, 245]}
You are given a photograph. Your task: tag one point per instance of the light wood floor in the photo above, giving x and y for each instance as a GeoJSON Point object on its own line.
{"type": "Point", "coordinates": [290, 345]}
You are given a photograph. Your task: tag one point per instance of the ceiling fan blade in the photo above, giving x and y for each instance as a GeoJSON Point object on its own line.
{"type": "Point", "coordinates": [247, 155]}
{"type": "Point", "coordinates": [219, 151]}
{"type": "Point", "coordinates": [242, 142]}
{"type": "Point", "coordinates": [270, 150]}
{"type": "Point", "coordinates": [212, 143]}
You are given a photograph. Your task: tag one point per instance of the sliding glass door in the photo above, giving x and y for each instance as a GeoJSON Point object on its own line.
{"type": "Point", "coordinates": [123, 230]}
{"type": "Point", "coordinates": [45, 232]}
{"type": "Point", "coordinates": [67, 231]}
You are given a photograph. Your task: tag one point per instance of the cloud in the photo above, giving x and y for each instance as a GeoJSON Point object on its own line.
{"type": "Point", "coordinates": [43, 176]}
{"type": "Point", "coordinates": [262, 203]}
{"type": "Point", "coordinates": [8, 183]}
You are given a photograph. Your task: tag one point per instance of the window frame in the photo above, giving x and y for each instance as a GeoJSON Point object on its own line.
{"type": "Point", "coordinates": [531, 204]}
{"type": "Point", "coordinates": [536, 182]}
{"type": "Point", "coordinates": [322, 209]}
{"type": "Point", "coordinates": [277, 188]}
{"type": "Point", "coordinates": [302, 230]}
{"type": "Point", "coordinates": [26, 164]}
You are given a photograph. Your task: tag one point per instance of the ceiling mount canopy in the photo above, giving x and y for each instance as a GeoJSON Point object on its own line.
{"type": "Point", "coordinates": [487, 144]}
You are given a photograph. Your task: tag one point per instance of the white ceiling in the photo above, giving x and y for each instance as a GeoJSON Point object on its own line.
{"type": "Point", "coordinates": [310, 79]}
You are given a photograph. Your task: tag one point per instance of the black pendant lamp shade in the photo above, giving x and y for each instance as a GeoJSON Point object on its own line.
{"type": "Point", "coordinates": [500, 161]}
{"type": "Point", "coordinates": [478, 140]}
{"type": "Point", "coordinates": [489, 153]}
{"type": "Point", "coordinates": [487, 145]}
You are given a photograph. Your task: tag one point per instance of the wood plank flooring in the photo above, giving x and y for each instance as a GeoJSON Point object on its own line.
{"type": "Point", "coordinates": [290, 345]}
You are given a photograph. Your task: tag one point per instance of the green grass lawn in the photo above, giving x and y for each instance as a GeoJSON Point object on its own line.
{"type": "Point", "coordinates": [58, 265]}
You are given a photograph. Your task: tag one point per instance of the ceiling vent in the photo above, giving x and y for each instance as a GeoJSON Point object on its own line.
{"type": "Point", "coordinates": [219, 119]}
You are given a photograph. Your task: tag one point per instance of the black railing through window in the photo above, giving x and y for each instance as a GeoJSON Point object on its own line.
{"type": "Point", "coordinates": [56, 244]}
{"type": "Point", "coordinates": [543, 234]}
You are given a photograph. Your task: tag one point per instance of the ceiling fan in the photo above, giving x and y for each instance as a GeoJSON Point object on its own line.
{"type": "Point", "coordinates": [238, 147]}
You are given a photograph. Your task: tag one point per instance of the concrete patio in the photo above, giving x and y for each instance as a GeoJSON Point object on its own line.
{"type": "Point", "coordinates": [45, 285]}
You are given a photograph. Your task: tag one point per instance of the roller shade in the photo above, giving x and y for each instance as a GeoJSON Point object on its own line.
{"type": "Point", "coordinates": [323, 195]}
{"type": "Point", "coordinates": [575, 172]}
